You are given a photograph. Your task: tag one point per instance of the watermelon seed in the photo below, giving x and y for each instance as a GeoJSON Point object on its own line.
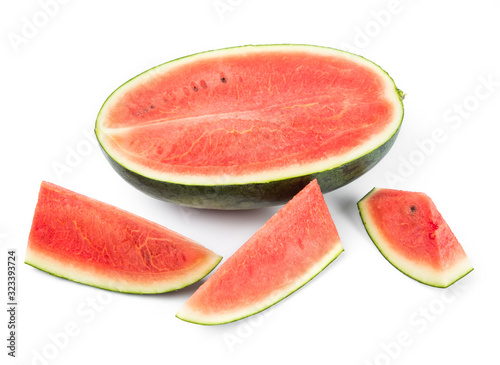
{"type": "Point", "coordinates": [413, 209]}
{"type": "Point", "coordinates": [151, 107]}
{"type": "Point", "coordinates": [141, 112]}
{"type": "Point", "coordinates": [194, 86]}
{"type": "Point", "coordinates": [203, 84]}
{"type": "Point", "coordinates": [223, 78]}
{"type": "Point", "coordinates": [168, 96]}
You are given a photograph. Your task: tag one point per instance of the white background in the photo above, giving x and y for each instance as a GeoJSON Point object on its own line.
{"type": "Point", "coordinates": [360, 310]}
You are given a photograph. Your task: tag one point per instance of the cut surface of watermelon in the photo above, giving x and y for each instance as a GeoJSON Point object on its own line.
{"type": "Point", "coordinates": [298, 242]}
{"type": "Point", "coordinates": [224, 121]}
{"type": "Point", "coordinates": [91, 242]}
{"type": "Point", "coordinates": [411, 233]}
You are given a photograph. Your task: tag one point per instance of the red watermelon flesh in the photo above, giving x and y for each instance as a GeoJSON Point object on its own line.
{"type": "Point", "coordinates": [91, 242]}
{"type": "Point", "coordinates": [249, 114]}
{"type": "Point", "coordinates": [290, 249]}
{"type": "Point", "coordinates": [411, 233]}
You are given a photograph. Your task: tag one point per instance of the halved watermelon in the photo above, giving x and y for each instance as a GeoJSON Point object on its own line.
{"type": "Point", "coordinates": [410, 232]}
{"type": "Point", "coordinates": [298, 242]}
{"type": "Point", "coordinates": [250, 126]}
{"type": "Point", "coordinates": [90, 242]}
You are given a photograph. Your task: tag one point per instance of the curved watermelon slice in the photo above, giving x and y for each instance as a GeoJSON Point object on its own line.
{"type": "Point", "coordinates": [90, 242]}
{"type": "Point", "coordinates": [250, 126]}
{"type": "Point", "coordinates": [298, 242]}
{"type": "Point", "coordinates": [410, 232]}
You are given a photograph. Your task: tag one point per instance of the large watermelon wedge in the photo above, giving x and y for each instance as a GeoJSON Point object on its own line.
{"type": "Point", "coordinates": [290, 249]}
{"type": "Point", "coordinates": [250, 126]}
{"type": "Point", "coordinates": [410, 232]}
{"type": "Point", "coordinates": [87, 241]}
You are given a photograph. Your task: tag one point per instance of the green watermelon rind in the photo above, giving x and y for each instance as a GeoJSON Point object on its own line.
{"type": "Point", "coordinates": [434, 283]}
{"type": "Point", "coordinates": [96, 281]}
{"type": "Point", "coordinates": [334, 254]}
{"type": "Point", "coordinates": [253, 194]}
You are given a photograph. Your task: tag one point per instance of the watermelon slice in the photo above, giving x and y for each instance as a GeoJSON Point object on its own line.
{"type": "Point", "coordinates": [298, 242]}
{"type": "Point", "coordinates": [90, 242]}
{"type": "Point", "coordinates": [250, 126]}
{"type": "Point", "coordinates": [410, 232]}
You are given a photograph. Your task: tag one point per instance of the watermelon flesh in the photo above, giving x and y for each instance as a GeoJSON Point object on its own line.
{"type": "Point", "coordinates": [290, 249]}
{"type": "Point", "coordinates": [91, 242]}
{"type": "Point", "coordinates": [411, 233]}
{"type": "Point", "coordinates": [219, 125]}
{"type": "Point", "coordinates": [249, 115]}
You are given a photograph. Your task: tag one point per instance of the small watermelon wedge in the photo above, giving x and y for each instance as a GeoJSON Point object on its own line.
{"type": "Point", "coordinates": [292, 247]}
{"type": "Point", "coordinates": [84, 240]}
{"type": "Point", "coordinates": [409, 231]}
